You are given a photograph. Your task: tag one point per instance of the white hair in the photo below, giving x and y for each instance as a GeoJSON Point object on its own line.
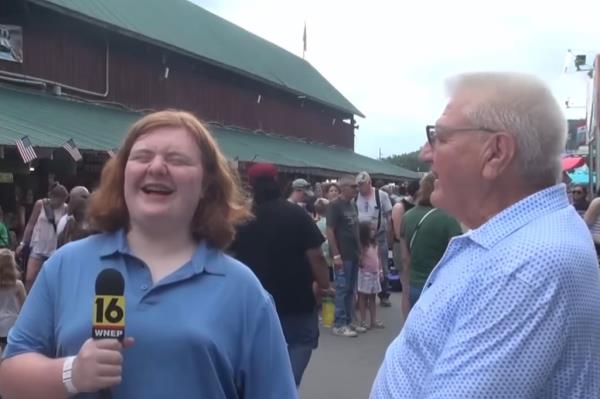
{"type": "Point", "coordinates": [524, 106]}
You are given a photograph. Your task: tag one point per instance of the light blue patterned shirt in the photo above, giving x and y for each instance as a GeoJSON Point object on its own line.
{"type": "Point", "coordinates": [511, 311]}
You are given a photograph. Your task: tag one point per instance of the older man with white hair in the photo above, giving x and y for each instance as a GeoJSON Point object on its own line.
{"type": "Point", "coordinates": [512, 310]}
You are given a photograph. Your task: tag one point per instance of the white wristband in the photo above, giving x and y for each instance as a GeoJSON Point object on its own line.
{"type": "Point", "coordinates": [67, 375]}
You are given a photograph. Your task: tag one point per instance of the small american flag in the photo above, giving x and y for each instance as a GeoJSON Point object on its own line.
{"type": "Point", "coordinates": [72, 149]}
{"type": "Point", "coordinates": [26, 149]}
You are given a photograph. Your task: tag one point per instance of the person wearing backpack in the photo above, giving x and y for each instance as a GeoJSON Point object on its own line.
{"type": "Point", "coordinates": [40, 234]}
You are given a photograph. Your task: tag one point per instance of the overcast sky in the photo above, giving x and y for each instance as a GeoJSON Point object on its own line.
{"type": "Point", "coordinates": [390, 58]}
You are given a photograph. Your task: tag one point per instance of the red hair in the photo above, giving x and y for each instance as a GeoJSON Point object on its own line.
{"type": "Point", "coordinates": [222, 207]}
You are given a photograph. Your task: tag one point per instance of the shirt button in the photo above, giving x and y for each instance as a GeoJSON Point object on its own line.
{"type": "Point", "coordinates": [144, 287]}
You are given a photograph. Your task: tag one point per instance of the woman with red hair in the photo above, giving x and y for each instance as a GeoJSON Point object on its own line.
{"type": "Point", "coordinates": [199, 324]}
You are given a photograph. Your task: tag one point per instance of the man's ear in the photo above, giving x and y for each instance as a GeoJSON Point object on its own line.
{"type": "Point", "coordinates": [498, 154]}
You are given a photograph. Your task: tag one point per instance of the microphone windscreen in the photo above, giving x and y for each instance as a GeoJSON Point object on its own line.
{"type": "Point", "coordinates": [110, 282]}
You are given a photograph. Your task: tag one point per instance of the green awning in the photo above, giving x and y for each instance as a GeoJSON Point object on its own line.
{"type": "Point", "coordinates": [192, 30]}
{"type": "Point", "coordinates": [299, 154]}
{"type": "Point", "coordinates": [49, 121]}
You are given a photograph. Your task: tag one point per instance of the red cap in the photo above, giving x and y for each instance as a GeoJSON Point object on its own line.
{"type": "Point", "coordinates": [258, 170]}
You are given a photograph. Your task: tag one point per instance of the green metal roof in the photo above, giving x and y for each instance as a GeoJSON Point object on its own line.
{"type": "Point", "coordinates": [188, 28]}
{"type": "Point", "coordinates": [260, 147]}
{"type": "Point", "coordinates": [49, 121]}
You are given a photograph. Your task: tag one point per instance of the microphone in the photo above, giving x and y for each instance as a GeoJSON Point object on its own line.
{"type": "Point", "coordinates": [109, 306]}
{"type": "Point", "coordinates": [109, 310]}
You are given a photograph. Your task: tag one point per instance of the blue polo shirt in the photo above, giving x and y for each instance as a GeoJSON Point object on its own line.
{"type": "Point", "coordinates": [209, 330]}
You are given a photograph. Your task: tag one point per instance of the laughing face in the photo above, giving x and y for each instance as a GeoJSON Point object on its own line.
{"type": "Point", "coordinates": [163, 178]}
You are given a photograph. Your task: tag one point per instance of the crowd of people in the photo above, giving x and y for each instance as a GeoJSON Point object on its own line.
{"type": "Point", "coordinates": [334, 242]}
{"type": "Point", "coordinates": [588, 207]}
{"type": "Point", "coordinates": [500, 281]}
{"type": "Point", "coordinates": [53, 222]}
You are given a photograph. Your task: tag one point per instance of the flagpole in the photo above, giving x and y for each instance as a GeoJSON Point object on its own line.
{"type": "Point", "coordinates": [304, 41]}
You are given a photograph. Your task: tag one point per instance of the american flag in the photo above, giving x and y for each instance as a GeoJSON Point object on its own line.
{"type": "Point", "coordinates": [26, 149]}
{"type": "Point", "coordinates": [72, 149]}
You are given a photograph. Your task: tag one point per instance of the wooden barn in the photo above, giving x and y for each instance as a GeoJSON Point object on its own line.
{"type": "Point", "coordinates": [79, 72]}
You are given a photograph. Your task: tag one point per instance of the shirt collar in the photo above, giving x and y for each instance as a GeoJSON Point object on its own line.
{"type": "Point", "coordinates": [517, 215]}
{"type": "Point", "coordinates": [205, 259]}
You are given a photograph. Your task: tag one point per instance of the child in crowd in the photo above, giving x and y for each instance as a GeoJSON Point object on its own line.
{"type": "Point", "coordinates": [369, 275]}
{"type": "Point", "coordinates": [12, 293]}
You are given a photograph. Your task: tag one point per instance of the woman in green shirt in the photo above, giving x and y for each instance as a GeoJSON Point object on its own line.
{"type": "Point", "coordinates": [424, 237]}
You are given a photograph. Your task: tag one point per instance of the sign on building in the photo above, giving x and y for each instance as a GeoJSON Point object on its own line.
{"type": "Point", "coordinates": [11, 43]}
{"type": "Point", "coordinates": [6, 178]}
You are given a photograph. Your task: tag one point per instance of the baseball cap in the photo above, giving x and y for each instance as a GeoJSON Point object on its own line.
{"type": "Point", "coordinates": [301, 184]}
{"type": "Point", "coordinates": [261, 170]}
{"type": "Point", "coordinates": [363, 177]}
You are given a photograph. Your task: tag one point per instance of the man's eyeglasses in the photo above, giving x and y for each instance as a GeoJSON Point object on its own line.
{"type": "Point", "coordinates": [433, 131]}
{"type": "Point", "coordinates": [576, 192]}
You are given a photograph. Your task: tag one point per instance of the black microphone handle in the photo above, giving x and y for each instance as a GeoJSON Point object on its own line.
{"type": "Point", "coordinates": [109, 282]}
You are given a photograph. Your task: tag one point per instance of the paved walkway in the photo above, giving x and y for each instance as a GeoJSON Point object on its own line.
{"type": "Point", "coordinates": [344, 368]}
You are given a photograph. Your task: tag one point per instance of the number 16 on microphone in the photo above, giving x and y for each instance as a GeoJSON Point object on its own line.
{"type": "Point", "coordinates": [109, 317]}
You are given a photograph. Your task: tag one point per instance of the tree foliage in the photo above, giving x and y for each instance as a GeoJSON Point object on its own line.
{"type": "Point", "coordinates": [410, 161]}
